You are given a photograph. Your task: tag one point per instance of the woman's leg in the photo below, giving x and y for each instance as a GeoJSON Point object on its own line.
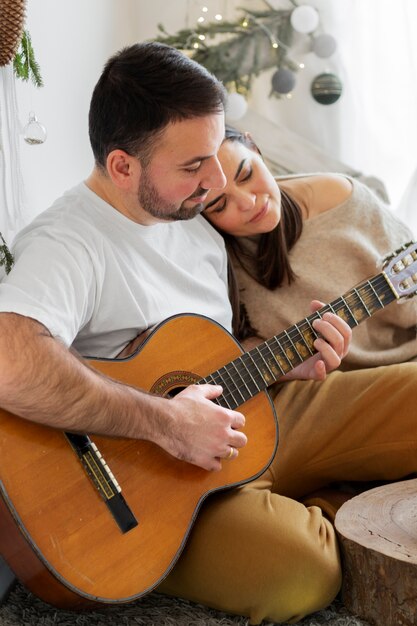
{"type": "Point", "coordinates": [257, 553]}
{"type": "Point", "coordinates": [355, 426]}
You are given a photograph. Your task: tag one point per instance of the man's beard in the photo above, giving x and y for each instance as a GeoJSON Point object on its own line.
{"type": "Point", "coordinates": [150, 200]}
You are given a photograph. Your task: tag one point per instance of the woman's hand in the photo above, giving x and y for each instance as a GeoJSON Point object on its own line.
{"type": "Point", "coordinates": [332, 346]}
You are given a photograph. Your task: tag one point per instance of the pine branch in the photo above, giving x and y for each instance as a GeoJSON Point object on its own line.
{"type": "Point", "coordinates": [25, 65]}
{"type": "Point", "coordinates": [6, 257]}
{"type": "Point", "coordinates": [258, 41]}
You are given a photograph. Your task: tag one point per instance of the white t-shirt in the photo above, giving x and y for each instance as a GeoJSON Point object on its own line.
{"type": "Point", "coordinates": [96, 279]}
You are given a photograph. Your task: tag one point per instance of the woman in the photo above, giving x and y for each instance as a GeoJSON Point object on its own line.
{"type": "Point", "coordinates": [303, 237]}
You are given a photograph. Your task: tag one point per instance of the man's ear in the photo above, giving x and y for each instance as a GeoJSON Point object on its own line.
{"type": "Point", "coordinates": [123, 169]}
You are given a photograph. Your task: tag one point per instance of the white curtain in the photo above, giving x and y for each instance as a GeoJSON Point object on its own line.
{"type": "Point", "coordinates": [373, 126]}
{"type": "Point", "coordinates": [378, 115]}
{"type": "Point", "coordinates": [11, 179]}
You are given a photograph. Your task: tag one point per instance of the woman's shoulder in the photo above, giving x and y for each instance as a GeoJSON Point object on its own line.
{"type": "Point", "coordinates": [319, 193]}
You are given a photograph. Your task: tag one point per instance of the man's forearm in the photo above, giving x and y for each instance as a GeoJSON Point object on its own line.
{"type": "Point", "coordinates": [43, 381]}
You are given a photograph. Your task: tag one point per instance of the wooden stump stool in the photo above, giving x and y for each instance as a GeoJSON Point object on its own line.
{"type": "Point", "coordinates": [377, 531]}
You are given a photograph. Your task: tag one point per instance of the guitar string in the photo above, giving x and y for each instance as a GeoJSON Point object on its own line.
{"type": "Point", "coordinates": [229, 397]}
{"type": "Point", "coordinates": [361, 296]}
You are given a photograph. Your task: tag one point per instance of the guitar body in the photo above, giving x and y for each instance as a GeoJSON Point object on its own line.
{"type": "Point", "coordinates": [65, 529]}
{"type": "Point", "coordinates": [56, 532]}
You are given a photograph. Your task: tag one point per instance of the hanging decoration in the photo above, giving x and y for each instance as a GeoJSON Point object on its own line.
{"type": "Point", "coordinates": [34, 133]}
{"type": "Point", "coordinates": [236, 106]}
{"type": "Point", "coordinates": [25, 65]}
{"type": "Point", "coordinates": [324, 45]}
{"type": "Point", "coordinates": [326, 88]}
{"type": "Point", "coordinates": [6, 257]}
{"type": "Point", "coordinates": [257, 41]}
{"type": "Point", "coordinates": [304, 19]}
{"type": "Point", "coordinates": [283, 81]}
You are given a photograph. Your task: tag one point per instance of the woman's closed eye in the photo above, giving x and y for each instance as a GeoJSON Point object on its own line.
{"type": "Point", "coordinates": [245, 174]}
{"type": "Point", "coordinates": [219, 208]}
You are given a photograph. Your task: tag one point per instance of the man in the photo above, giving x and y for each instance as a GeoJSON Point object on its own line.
{"type": "Point", "coordinates": [156, 123]}
{"type": "Point", "coordinates": [120, 253]}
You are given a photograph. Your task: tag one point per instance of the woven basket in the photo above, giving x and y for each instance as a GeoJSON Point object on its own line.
{"type": "Point", "coordinates": [12, 18]}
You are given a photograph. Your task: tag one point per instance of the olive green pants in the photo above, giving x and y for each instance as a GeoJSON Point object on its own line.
{"type": "Point", "coordinates": [261, 550]}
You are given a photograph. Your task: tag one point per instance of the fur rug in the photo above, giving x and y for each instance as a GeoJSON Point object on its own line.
{"type": "Point", "coordinates": [21, 608]}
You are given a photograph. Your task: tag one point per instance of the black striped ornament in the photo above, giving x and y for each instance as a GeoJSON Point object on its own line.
{"type": "Point", "coordinates": [326, 88]}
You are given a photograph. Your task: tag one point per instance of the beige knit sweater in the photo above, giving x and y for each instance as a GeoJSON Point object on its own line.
{"type": "Point", "coordinates": [338, 249]}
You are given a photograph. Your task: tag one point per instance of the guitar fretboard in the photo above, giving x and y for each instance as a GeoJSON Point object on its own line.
{"type": "Point", "coordinates": [256, 370]}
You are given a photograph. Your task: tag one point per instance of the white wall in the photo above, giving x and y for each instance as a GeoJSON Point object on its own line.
{"type": "Point", "coordinates": [72, 40]}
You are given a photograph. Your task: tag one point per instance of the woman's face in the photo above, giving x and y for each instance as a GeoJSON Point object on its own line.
{"type": "Point", "coordinates": [250, 203]}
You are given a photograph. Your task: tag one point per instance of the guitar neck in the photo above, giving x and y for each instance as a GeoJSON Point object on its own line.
{"type": "Point", "coordinates": [256, 370]}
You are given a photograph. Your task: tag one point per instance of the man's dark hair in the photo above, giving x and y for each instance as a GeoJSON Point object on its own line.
{"type": "Point", "coordinates": [141, 90]}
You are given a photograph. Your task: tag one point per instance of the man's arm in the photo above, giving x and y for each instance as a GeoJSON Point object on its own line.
{"type": "Point", "coordinates": [42, 381]}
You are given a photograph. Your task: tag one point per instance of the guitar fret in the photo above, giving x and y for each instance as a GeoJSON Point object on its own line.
{"type": "Point", "coordinates": [376, 295]}
{"type": "Point", "coordinates": [226, 380]}
{"type": "Point", "coordinates": [246, 374]}
{"type": "Point", "coordinates": [293, 345]}
{"type": "Point", "coordinates": [314, 334]}
{"type": "Point", "coordinates": [355, 321]}
{"type": "Point", "coordinates": [250, 380]}
{"type": "Point", "coordinates": [300, 341]}
{"type": "Point", "coordinates": [304, 340]}
{"type": "Point", "coordinates": [236, 386]}
{"type": "Point", "coordinates": [284, 353]}
{"type": "Point", "coordinates": [229, 392]}
{"type": "Point", "coordinates": [242, 379]}
{"type": "Point", "coordinates": [248, 355]}
{"type": "Point", "coordinates": [362, 301]}
{"type": "Point", "coordinates": [275, 359]}
{"type": "Point", "coordinates": [270, 372]}
{"type": "Point", "coordinates": [222, 399]}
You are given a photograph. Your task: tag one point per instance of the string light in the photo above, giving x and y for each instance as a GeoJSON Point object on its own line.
{"type": "Point", "coordinates": [273, 25]}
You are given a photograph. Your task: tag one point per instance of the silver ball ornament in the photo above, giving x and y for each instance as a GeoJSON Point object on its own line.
{"type": "Point", "coordinates": [304, 18]}
{"type": "Point", "coordinates": [324, 45]}
{"type": "Point", "coordinates": [283, 81]}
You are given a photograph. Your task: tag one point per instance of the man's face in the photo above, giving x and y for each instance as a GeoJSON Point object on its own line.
{"type": "Point", "coordinates": [183, 167]}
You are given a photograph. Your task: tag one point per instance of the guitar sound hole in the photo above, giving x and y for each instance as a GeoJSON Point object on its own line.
{"type": "Point", "coordinates": [175, 391]}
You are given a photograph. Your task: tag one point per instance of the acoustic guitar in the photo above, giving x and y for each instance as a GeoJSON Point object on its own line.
{"type": "Point", "coordinates": [86, 520]}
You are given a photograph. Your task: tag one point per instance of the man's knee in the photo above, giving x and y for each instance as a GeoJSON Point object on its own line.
{"type": "Point", "coordinates": [306, 582]}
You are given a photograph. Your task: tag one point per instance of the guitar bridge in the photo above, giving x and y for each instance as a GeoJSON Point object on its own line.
{"type": "Point", "coordinates": [103, 479]}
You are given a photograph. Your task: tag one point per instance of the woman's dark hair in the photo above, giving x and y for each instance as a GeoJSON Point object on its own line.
{"type": "Point", "coordinates": [268, 260]}
{"type": "Point", "coordinates": [141, 90]}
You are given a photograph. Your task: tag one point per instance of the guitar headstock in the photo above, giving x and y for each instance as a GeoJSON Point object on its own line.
{"type": "Point", "coordinates": [400, 270]}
